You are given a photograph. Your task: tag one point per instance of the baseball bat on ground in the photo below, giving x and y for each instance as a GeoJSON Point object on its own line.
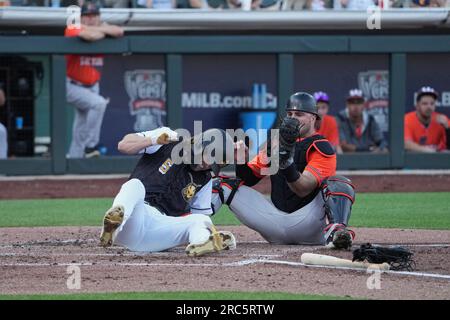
{"type": "Point", "coordinates": [324, 260]}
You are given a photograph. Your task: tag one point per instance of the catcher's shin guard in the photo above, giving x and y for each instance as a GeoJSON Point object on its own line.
{"type": "Point", "coordinates": [339, 196]}
{"type": "Point", "coordinates": [112, 220]}
{"type": "Point", "coordinates": [218, 241]}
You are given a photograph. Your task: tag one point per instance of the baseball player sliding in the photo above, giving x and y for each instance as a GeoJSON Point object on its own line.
{"type": "Point", "coordinates": [164, 204]}
{"type": "Point", "coordinates": [309, 205]}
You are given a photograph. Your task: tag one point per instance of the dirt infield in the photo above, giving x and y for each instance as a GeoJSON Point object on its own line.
{"type": "Point", "coordinates": [35, 260]}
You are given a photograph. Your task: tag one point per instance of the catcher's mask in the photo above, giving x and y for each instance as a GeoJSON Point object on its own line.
{"type": "Point", "coordinates": [215, 148]}
{"type": "Point", "coordinates": [302, 101]}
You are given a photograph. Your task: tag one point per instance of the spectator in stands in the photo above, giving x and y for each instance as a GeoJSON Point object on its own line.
{"type": "Point", "coordinates": [296, 5]}
{"type": "Point", "coordinates": [358, 130]}
{"type": "Point", "coordinates": [236, 4]}
{"type": "Point", "coordinates": [425, 129]}
{"type": "Point", "coordinates": [270, 5]}
{"type": "Point", "coordinates": [321, 4]}
{"type": "Point", "coordinates": [3, 131]}
{"type": "Point", "coordinates": [82, 84]}
{"type": "Point", "coordinates": [68, 3]}
{"type": "Point", "coordinates": [157, 4]}
{"type": "Point", "coordinates": [232, 4]}
{"type": "Point", "coordinates": [117, 3]}
{"type": "Point", "coordinates": [327, 126]}
{"type": "Point", "coordinates": [191, 4]}
{"type": "Point", "coordinates": [353, 4]}
{"type": "Point", "coordinates": [426, 3]}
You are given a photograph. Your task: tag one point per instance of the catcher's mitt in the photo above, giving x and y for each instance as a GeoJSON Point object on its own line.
{"type": "Point", "coordinates": [399, 258]}
{"type": "Point", "coordinates": [289, 133]}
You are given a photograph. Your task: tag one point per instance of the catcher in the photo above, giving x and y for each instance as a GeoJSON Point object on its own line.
{"type": "Point", "coordinates": [309, 205]}
{"type": "Point", "coordinates": [165, 204]}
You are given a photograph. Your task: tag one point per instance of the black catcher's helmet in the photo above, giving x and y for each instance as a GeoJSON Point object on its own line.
{"type": "Point", "coordinates": [302, 101]}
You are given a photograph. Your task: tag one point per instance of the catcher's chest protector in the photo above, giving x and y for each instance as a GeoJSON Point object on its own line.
{"type": "Point", "coordinates": [339, 196]}
{"type": "Point", "coordinates": [282, 196]}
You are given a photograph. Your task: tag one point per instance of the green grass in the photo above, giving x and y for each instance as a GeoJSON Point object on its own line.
{"type": "Point", "coordinates": [184, 295]}
{"type": "Point", "coordinates": [387, 210]}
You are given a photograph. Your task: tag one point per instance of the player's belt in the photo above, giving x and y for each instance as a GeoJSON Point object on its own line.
{"type": "Point", "coordinates": [82, 84]}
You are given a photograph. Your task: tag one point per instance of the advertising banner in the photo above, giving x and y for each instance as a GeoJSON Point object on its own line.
{"type": "Point", "coordinates": [136, 87]}
{"type": "Point", "coordinates": [217, 89]}
{"type": "Point", "coordinates": [240, 91]}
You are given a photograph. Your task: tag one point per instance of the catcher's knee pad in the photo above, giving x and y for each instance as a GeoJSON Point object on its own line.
{"type": "Point", "coordinates": [339, 195]}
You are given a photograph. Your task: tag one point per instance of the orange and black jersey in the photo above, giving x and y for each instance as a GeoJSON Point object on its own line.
{"type": "Point", "coordinates": [314, 154]}
{"type": "Point", "coordinates": [329, 129]}
{"type": "Point", "coordinates": [83, 68]}
{"type": "Point", "coordinates": [433, 134]}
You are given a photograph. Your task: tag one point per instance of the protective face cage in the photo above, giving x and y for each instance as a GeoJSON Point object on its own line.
{"type": "Point", "coordinates": [223, 145]}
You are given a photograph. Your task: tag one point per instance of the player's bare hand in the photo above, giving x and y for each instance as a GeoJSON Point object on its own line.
{"type": "Point", "coordinates": [442, 120]}
{"type": "Point", "coordinates": [429, 149]}
{"type": "Point", "coordinates": [112, 30]}
{"type": "Point", "coordinates": [376, 149]}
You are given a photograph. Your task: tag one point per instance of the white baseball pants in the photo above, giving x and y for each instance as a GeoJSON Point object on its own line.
{"type": "Point", "coordinates": [304, 226]}
{"type": "Point", "coordinates": [145, 228]}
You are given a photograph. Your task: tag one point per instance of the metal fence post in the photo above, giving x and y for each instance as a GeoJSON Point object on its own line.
{"type": "Point", "coordinates": [285, 79]}
{"type": "Point", "coordinates": [174, 70]}
{"type": "Point", "coordinates": [397, 100]}
{"type": "Point", "coordinates": [58, 113]}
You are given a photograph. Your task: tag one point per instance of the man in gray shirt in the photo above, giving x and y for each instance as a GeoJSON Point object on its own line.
{"type": "Point", "coordinates": [358, 130]}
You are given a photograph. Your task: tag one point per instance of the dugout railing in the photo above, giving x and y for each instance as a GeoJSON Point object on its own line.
{"type": "Point", "coordinates": [175, 46]}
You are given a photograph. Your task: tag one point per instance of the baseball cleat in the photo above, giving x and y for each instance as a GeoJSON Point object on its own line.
{"type": "Point", "coordinates": [91, 153]}
{"type": "Point", "coordinates": [112, 220]}
{"type": "Point", "coordinates": [338, 236]}
{"type": "Point", "coordinates": [218, 241]}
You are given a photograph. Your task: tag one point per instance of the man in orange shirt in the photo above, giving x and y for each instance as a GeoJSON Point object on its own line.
{"type": "Point", "coordinates": [308, 204]}
{"type": "Point", "coordinates": [82, 83]}
{"type": "Point", "coordinates": [327, 126]}
{"type": "Point", "coordinates": [423, 132]}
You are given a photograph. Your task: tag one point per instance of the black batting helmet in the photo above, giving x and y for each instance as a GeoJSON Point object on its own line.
{"type": "Point", "coordinates": [222, 151]}
{"type": "Point", "coordinates": [302, 101]}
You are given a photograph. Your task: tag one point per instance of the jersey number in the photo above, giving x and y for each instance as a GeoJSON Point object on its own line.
{"type": "Point", "coordinates": [165, 166]}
